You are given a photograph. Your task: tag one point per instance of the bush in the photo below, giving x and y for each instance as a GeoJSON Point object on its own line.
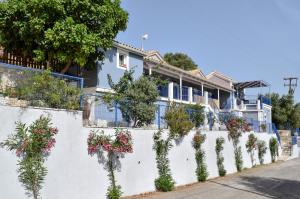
{"type": "Point", "coordinates": [251, 146]}
{"type": "Point", "coordinates": [220, 159]}
{"type": "Point", "coordinates": [273, 145]}
{"type": "Point", "coordinates": [164, 183]}
{"type": "Point", "coordinates": [114, 192]}
{"type": "Point", "coordinates": [178, 120]}
{"type": "Point", "coordinates": [196, 114]}
{"type": "Point", "coordinates": [42, 89]}
{"type": "Point", "coordinates": [262, 149]}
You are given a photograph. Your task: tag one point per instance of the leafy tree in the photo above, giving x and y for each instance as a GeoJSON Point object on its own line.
{"type": "Point", "coordinates": [135, 97]}
{"type": "Point", "coordinates": [180, 60]}
{"type": "Point", "coordinates": [67, 31]}
{"type": "Point", "coordinates": [196, 114]}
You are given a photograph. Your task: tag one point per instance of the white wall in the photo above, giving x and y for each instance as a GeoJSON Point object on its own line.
{"type": "Point", "coordinates": [72, 173]}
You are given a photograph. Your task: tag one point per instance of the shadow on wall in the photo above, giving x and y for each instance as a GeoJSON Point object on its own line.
{"type": "Point", "coordinates": [266, 187]}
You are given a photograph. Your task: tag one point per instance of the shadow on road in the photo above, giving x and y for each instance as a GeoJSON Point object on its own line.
{"type": "Point", "coordinates": [267, 187]}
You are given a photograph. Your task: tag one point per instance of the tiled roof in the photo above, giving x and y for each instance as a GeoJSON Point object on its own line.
{"type": "Point", "coordinates": [130, 48]}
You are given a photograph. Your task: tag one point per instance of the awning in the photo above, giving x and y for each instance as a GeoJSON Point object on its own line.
{"type": "Point", "coordinates": [250, 84]}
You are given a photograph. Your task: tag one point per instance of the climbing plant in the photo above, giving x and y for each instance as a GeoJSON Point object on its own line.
{"type": "Point", "coordinates": [201, 170]}
{"type": "Point", "coordinates": [32, 144]}
{"type": "Point", "coordinates": [236, 126]}
{"type": "Point", "coordinates": [220, 159]}
{"type": "Point", "coordinates": [251, 146]}
{"type": "Point", "coordinates": [273, 145]}
{"type": "Point", "coordinates": [162, 146]}
{"type": "Point", "coordinates": [262, 149]}
{"type": "Point", "coordinates": [120, 143]}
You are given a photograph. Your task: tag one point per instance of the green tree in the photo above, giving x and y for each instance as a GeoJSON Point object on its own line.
{"type": "Point", "coordinates": [180, 60]}
{"type": "Point", "coordinates": [67, 31]}
{"type": "Point", "coordinates": [135, 97]}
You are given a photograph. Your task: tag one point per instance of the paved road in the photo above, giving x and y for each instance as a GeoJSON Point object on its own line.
{"type": "Point", "coordinates": [280, 180]}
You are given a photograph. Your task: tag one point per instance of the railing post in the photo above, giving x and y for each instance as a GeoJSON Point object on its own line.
{"type": "Point", "coordinates": [158, 116]}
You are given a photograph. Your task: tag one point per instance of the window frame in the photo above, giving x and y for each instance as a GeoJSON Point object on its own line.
{"type": "Point", "coordinates": [126, 54]}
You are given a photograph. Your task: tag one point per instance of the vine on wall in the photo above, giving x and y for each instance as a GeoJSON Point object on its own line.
{"type": "Point", "coordinates": [201, 170]}
{"type": "Point", "coordinates": [220, 159]}
{"type": "Point", "coordinates": [32, 145]}
{"type": "Point", "coordinates": [251, 146]}
{"type": "Point", "coordinates": [262, 149]}
{"type": "Point", "coordinates": [273, 145]}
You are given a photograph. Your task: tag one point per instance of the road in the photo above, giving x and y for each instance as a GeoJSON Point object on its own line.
{"type": "Point", "coordinates": [279, 180]}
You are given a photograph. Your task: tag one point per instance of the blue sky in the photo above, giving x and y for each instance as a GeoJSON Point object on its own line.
{"type": "Point", "coordinates": [244, 39]}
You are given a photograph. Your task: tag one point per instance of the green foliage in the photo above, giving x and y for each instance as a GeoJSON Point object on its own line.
{"type": "Point", "coordinates": [251, 146]}
{"type": "Point", "coordinates": [114, 192]}
{"type": "Point", "coordinates": [238, 158]}
{"type": "Point", "coordinates": [263, 127]}
{"type": "Point", "coordinates": [63, 30]}
{"type": "Point", "coordinates": [273, 145]}
{"type": "Point", "coordinates": [220, 159]}
{"type": "Point", "coordinates": [162, 146]}
{"type": "Point", "coordinates": [42, 89]}
{"type": "Point", "coordinates": [135, 97]}
{"type": "Point", "coordinates": [201, 170]}
{"type": "Point", "coordinates": [285, 113]}
{"type": "Point", "coordinates": [180, 60]}
{"type": "Point", "coordinates": [32, 145]}
{"type": "Point", "coordinates": [196, 114]}
{"type": "Point", "coordinates": [262, 149]}
{"type": "Point", "coordinates": [178, 120]}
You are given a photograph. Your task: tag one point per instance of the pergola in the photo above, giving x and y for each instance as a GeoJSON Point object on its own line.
{"type": "Point", "coordinates": [240, 86]}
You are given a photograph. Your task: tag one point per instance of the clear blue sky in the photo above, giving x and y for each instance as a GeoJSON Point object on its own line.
{"type": "Point", "coordinates": [245, 39]}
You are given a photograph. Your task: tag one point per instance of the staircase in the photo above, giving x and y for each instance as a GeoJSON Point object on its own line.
{"type": "Point", "coordinates": [286, 144]}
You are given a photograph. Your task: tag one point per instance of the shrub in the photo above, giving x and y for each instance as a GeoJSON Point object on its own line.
{"type": "Point", "coordinates": [220, 159]}
{"type": "Point", "coordinates": [201, 170]}
{"type": "Point", "coordinates": [196, 114]}
{"type": "Point", "coordinates": [119, 144]}
{"type": "Point", "coordinates": [273, 145]}
{"type": "Point", "coordinates": [235, 127]}
{"type": "Point", "coordinates": [42, 89]}
{"type": "Point", "coordinates": [263, 127]}
{"type": "Point", "coordinates": [262, 149]}
{"type": "Point", "coordinates": [178, 120]}
{"type": "Point", "coordinates": [251, 146]}
{"type": "Point", "coordinates": [32, 145]}
{"type": "Point", "coordinates": [162, 146]}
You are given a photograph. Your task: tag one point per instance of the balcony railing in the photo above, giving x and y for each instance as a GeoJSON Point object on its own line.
{"type": "Point", "coordinates": [185, 93]}
{"type": "Point", "coordinates": [163, 90]}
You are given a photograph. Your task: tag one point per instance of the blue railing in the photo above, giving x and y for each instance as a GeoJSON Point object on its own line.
{"type": "Point", "coordinates": [176, 92]}
{"type": "Point", "coordinates": [276, 132]}
{"type": "Point", "coordinates": [163, 90]}
{"type": "Point", "coordinates": [185, 93]}
{"type": "Point", "coordinates": [196, 93]}
{"type": "Point", "coordinates": [294, 140]}
{"type": "Point", "coordinates": [265, 100]}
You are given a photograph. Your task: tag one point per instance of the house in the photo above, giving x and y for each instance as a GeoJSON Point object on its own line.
{"type": "Point", "coordinates": [216, 91]}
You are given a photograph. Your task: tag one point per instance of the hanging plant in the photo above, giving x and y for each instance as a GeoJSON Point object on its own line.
{"type": "Point", "coordinates": [120, 143]}
{"type": "Point", "coordinates": [236, 126]}
{"type": "Point", "coordinates": [251, 146]}
{"type": "Point", "coordinates": [220, 159]}
{"type": "Point", "coordinates": [262, 149]}
{"type": "Point", "coordinates": [32, 145]}
{"type": "Point", "coordinates": [201, 170]}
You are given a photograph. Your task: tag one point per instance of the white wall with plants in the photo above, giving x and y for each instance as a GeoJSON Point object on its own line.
{"type": "Point", "coordinates": [77, 165]}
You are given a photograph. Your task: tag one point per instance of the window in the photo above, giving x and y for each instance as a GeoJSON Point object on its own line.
{"type": "Point", "coordinates": [122, 60]}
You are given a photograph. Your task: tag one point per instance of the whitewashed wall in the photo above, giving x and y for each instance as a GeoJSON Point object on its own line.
{"type": "Point", "coordinates": [72, 173]}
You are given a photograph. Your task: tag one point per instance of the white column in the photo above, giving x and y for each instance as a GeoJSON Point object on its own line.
{"type": "Point", "coordinates": [258, 105]}
{"type": "Point", "coordinates": [150, 70]}
{"type": "Point", "coordinates": [218, 94]}
{"type": "Point", "coordinates": [180, 87]}
{"type": "Point", "coordinates": [206, 98]}
{"type": "Point", "coordinates": [190, 94]}
{"type": "Point", "coordinates": [202, 90]}
{"type": "Point", "coordinates": [170, 90]}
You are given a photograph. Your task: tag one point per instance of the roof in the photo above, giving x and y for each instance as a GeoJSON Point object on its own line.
{"type": "Point", "coordinates": [251, 84]}
{"type": "Point", "coordinates": [130, 48]}
{"type": "Point", "coordinates": [218, 74]}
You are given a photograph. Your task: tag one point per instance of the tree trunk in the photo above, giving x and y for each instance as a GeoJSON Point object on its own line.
{"type": "Point", "coordinates": [66, 68]}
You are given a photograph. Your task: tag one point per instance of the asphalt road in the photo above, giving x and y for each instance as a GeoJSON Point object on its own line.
{"type": "Point", "coordinates": [279, 180]}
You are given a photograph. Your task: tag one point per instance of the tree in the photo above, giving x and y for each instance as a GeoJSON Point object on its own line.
{"type": "Point", "coordinates": [135, 97]}
{"type": "Point", "coordinates": [67, 31]}
{"type": "Point", "coordinates": [180, 60]}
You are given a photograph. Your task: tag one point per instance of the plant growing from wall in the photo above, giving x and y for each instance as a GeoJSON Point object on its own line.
{"type": "Point", "coordinates": [262, 149]}
{"type": "Point", "coordinates": [162, 146]}
{"type": "Point", "coordinates": [42, 89]}
{"type": "Point", "coordinates": [178, 120]}
{"type": "Point", "coordinates": [32, 145]}
{"type": "Point", "coordinates": [251, 146]}
{"type": "Point", "coordinates": [136, 98]}
{"type": "Point", "coordinates": [120, 143]}
{"type": "Point", "coordinates": [220, 159]}
{"type": "Point", "coordinates": [235, 127]}
{"type": "Point", "coordinates": [197, 115]}
{"type": "Point", "coordinates": [263, 127]}
{"type": "Point", "coordinates": [273, 145]}
{"type": "Point", "coordinates": [201, 170]}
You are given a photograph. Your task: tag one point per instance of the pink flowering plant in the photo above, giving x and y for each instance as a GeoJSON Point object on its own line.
{"type": "Point", "coordinates": [116, 145]}
{"type": "Point", "coordinates": [32, 144]}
